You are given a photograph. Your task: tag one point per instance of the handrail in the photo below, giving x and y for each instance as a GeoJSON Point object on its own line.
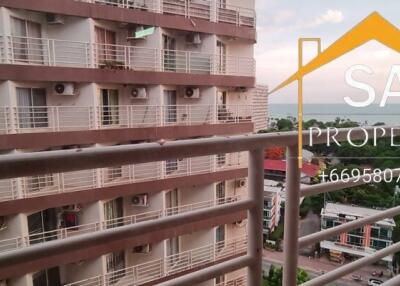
{"type": "Point", "coordinates": [27, 164]}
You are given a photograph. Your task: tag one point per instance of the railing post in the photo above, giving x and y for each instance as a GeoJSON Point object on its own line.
{"type": "Point", "coordinates": [291, 231]}
{"type": "Point", "coordinates": [255, 240]}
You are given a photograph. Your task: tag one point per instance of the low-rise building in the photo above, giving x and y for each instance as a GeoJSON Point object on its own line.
{"type": "Point", "coordinates": [359, 242]}
{"type": "Point", "coordinates": [272, 206]}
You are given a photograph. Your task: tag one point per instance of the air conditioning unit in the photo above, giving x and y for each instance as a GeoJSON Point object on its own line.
{"type": "Point", "coordinates": [140, 200]}
{"type": "Point", "coordinates": [142, 248]}
{"type": "Point", "coordinates": [193, 39]}
{"type": "Point", "coordinates": [240, 183]}
{"type": "Point", "coordinates": [54, 19]}
{"type": "Point", "coordinates": [63, 88]}
{"type": "Point", "coordinates": [3, 223]}
{"type": "Point", "coordinates": [192, 92]}
{"type": "Point", "coordinates": [138, 93]}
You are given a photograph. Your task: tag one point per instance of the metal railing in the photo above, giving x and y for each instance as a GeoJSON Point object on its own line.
{"type": "Point", "coordinates": [240, 281]}
{"type": "Point", "coordinates": [28, 119]}
{"type": "Point", "coordinates": [56, 183]}
{"type": "Point", "coordinates": [65, 232]}
{"type": "Point", "coordinates": [211, 10]}
{"type": "Point", "coordinates": [65, 53]}
{"type": "Point", "coordinates": [170, 265]}
{"type": "Point", "coordinates": [15, 166]}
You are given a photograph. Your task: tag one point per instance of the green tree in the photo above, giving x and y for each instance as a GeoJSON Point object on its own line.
{"type": "Point", "coordinates": [275, 275]}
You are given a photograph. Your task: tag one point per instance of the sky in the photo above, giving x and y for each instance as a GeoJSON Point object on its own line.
{"type": "Point", "coordinates": [281, 22]}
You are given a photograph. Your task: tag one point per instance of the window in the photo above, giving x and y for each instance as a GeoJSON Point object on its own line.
{"type": "Point", "coordinates": [105, 45]}
{"type": "Point", "coordinates": [40, 224]}
{"type": "Point", "coordinates": [173, 248]}
{"type": "Point", "coordinates": [267, 204]}
{"type": "Point", "coordinates": [110, 108]}
{"type": "Point", "coordinates": [113, 211]}
{"type": "Point", "coordinates": [47, 277]}
{"type": "Point", "coordinates": [220, 233]}
{"type": "Point", "coordinates": [267, 214]}
{"type": "Point", "coordinates": [32, 108]}
{"type": "Point", "coordinates": [170, 106]}
{"type": "Point", "coordinates": [115, 262]}
{"type": "Point", "coordinates": [172, 202]}
{"type": "Point", "coordinates": [219, 280]}
{"type": "Point", "coordinates": [221, 57]}
{"type": "Point", "coordinates": [169, 46]}
{"type": "Point", "coordinates": [378, 244]}
{"type": "Point", "coordinates": [220, 192]}
{"type": "Point", "coordinates": [380, 232]}
{"type": "Point", "coordinates": [358, 231]}
{"type": "Point", "coordinates": [27, 43]}
{"type": "Point", "coordinates": [355, 240]}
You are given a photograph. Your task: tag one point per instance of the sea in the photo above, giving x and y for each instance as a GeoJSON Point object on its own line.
{"type": "Point", "coordinates": [390, 114]}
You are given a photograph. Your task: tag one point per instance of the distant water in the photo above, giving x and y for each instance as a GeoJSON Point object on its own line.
{"type": "Point", "coordinates": [328, 112]}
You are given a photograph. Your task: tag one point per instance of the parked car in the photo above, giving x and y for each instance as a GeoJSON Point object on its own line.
{"type": "Point", "coordinates": [374, 282]}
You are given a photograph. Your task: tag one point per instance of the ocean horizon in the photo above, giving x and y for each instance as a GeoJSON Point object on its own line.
{"type": "Point", "coordinates": [370, 115]}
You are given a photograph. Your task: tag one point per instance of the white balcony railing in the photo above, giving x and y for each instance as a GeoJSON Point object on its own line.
{"type": "Point", "coordinates": [211, 10]}
{"type": "Point", "coordinates": [28, 119]}
{"type": "Point", "coordinates": [62, 233]}
{"type": "Point", "coordinates": [240, 281]}
{"type": "Point", "coordinates": [170, 265]}
{"type": "Point", "coordinates": [63, 53]}
{"type": "Point", "coordinates": [35, 186]}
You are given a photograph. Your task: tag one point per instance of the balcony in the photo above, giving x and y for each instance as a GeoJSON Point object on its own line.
{"type": "Point", "coordinates": [214, 11]}
{"type": "Point", "coordinates": [240, 281]}
{"type": "Point", "coordinates": [143, 274]}
{"type": "Point", "coordinates": [63, 233]}
{"type": "Point", "coordinates": [20, 261]}
{"type": "Point", "coordinates": [73, 54]}
{"type": "Point", "coordinates": [78, 118]}
{"type": "Point", "coordinates": [57, 183]}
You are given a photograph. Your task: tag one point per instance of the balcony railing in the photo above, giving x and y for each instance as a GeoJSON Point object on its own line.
{"type": "Point", "coordinates": [62, 233]}
{"type": "Point", "coordinates": [240, 281]}
{"type": "Point", "coordinates": [28, 119]}
{"type": "Point", "coordinates": [170, 265]}
{"type": "Point", "coordinates": [63, 53]}
{"type": "Point", "coordinates": [211, 10]}
{"type": "Point", "coordinates": [49, 184]}
{"type": "Point", "coordinates": [20, 261]}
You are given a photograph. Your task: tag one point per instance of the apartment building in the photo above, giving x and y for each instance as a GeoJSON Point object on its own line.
{"type": "Point", "coordinates": [80, 74]}
{"type": "Point", "coordinates": [272, 206]}
{"type": "Point", "coordinates": [360, 242]}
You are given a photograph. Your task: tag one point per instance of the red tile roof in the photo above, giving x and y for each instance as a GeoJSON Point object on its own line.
{"type": "Point", "coordinates": [310, 170]}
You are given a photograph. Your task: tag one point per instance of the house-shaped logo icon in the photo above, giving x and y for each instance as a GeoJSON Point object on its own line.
{"type": "Point", "coordinates": [374, 27]}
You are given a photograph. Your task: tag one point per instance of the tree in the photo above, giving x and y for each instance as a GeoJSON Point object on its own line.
{"type": "Point", "coordinates": [275, 274]}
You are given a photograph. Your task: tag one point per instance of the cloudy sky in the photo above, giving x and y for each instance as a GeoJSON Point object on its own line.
{"type": "Point", "coordinates": [282, 22]}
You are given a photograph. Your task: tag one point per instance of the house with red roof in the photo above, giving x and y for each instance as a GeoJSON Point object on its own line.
{"type": "Point", "coordinates": [276, 170]}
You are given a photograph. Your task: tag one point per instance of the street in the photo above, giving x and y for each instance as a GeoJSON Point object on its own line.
{"type": "Point", "coordinates": [316, 267]}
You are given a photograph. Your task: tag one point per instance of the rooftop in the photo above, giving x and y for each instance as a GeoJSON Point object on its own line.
{"type": "Point", "coordinates": [353, 212]}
